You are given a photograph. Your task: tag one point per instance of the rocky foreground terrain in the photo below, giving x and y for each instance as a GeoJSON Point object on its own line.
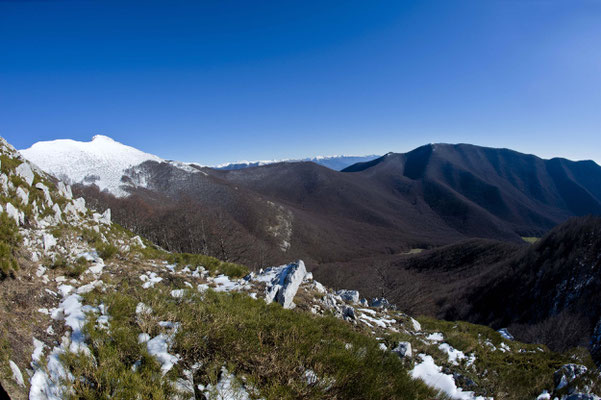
{"type": "Point", "coordinates": [89, 310]}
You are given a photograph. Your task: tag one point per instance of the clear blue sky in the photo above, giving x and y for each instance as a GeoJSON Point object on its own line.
{"type": "Point", "coordinates": [215, 81]}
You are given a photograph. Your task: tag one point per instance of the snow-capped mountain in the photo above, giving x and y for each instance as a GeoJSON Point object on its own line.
{"type": "Point", "coordinates": [336, 163]}
{"type": "Point", "coordinates": [101, 161]}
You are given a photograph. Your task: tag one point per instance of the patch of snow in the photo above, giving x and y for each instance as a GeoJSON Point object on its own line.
{"type": "Point", "coordinates": [158, 347]}
{"type": "Point", "coordinates": [142, 308]}
{"type": "Point", "coordinates": [227, 388]}
{"type": "Point", "coordinates": [433, 376]}
{"type": "Point", "coordinates": [454, 355]}
{"type": "Point", "coordinates": [149, 279]}
{"type": "Point", "coordinates": [435, 337]}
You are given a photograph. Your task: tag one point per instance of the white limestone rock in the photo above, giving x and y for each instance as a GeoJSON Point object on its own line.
{"type": "Point", "coordinates": [80, 205]}
{"type": "Point", "coordinates": [23, 195]}
{"type": "Point", "coordinates": [286, 283]}
{"type": "Point", "coordinates": [58, 215]}
{"type": "Point", "coordinates": [137, 241]}
{"type": "Point", "coordinates": [47, 196]}
{"type": "Point", "coordinates": [65, 190]}
{"type": "Point", "coordinates": [351, 296]}
{"type": "Point", "coordinates": [49, 241]}
{"type": "Point", "coordinates": [105, 218]}
{"type": "Point", "coordinates": [25, 172]}
{"type": "Point", "coordinates": [4, 183]}
{"type": "Point", "coordinates": [15, 214]}
{"type": "Point", "coordinates": [403, 349]}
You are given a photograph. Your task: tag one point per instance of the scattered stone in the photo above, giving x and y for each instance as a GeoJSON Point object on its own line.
{"type": "Point", "coordinates": [349, 313]}
{"type": "Point", "coordinates": [403, 349]}
{"type": "Point", "coordinates": [349, 295]}
{"type": "Point", "coordinates": [567, 374]}
{"type": "Point", "coordinates": [137, 241]}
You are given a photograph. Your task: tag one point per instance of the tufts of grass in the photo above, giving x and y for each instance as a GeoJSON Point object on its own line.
{"type": "Point", "coordinates": [270, 348]}
{"type": "Point", "coordinates": [9, 243]}
{"type": "Point", "coordinates": [523, 371]}
{"type": "Point", "coordinates": [212, 264]}
{"type": "Point", "coordinates": [105, 250]}
{"type": "Point", "coordinates": [118, 366]}
{"type": "Point", "coordinates": [9, 163]}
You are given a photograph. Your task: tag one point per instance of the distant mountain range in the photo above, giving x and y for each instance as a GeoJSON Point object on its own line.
{"type": "Point", "coordinates": [336, 163]}
{"type": "Point", "coordinates": [103, 161]}
{"type": "Point", "coordinates": [434, 195]}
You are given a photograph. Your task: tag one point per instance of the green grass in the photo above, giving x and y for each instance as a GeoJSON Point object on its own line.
{"type": "Point", "coordinates": [267, 345]}
{"type": "Point", "coordinates": [9, 243]}
{"type": "Point", "coordinates": [530, 239]}
{"type": "Point", "coordinates": [213, 265]}
{"type": "Point", "coordinates": [523, 372]}
{"type": "Point", "coordinates": [9, 163]}
{"type": "Point", "coordinates": [105, 250]}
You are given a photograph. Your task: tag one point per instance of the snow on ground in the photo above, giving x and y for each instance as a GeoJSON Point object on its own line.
{"type": "Point", "coordinates": [101, 161]}
{"type": "Point", "coordinates": [435, 337]}
{"type": "Point", "coordinates": [149, 279]}
{"type": "Point", "coordinates": [228, 388]}
{"type": "Point", "coordinates": [454, 355]}
{"type": "Point", "coordinates": [158, 347]}
{"type": "Point", "coordinates": [433, 376]}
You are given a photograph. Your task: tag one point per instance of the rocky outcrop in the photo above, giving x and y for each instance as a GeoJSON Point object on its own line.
{"type": "Point", "coordinates": [284, 284]}
{"type": "Point", "coordinates": [351, 296]}
{"type": "Point", "coordinates": [25, 172]}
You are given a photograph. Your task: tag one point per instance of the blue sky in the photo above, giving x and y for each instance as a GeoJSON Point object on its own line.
{"type": "Point", "coordinates": [216, 81]}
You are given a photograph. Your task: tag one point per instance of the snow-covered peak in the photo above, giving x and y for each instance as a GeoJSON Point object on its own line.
{"type": "Point", "coordinates": [101, 161]}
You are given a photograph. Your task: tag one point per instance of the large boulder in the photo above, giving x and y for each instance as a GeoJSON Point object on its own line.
{"type": "Point", "coordinates": [285, 283]}
{"type": "Point", "coordinates": [25, 172]}
{"type": "Point", "coordinates": [15, 214]}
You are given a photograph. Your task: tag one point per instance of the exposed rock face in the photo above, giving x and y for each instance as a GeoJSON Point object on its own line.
{"type": "Point", "coordinates": [23, 195]}
{"type": "Point", "coordinates": [15, 214]}
{"type": "Point", "coordinates": [283, 282]}
{"type": "Point", "coordinates": [25, 172]}
{"type": "Point", "coordinates": [290, 280]}
{"type": "Point", "coordinates": [47, 196]}
{"type": "Point", "coordinates": [65, 190]}
{"type": "Point", "coordinates": [349, 295]}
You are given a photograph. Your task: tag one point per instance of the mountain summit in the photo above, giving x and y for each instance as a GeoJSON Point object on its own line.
{"type": "Point", "coordinates": [100, 161]}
